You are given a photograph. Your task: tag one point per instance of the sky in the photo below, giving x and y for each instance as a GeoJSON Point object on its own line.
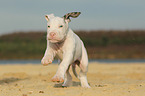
{"type": "Point", "coordinates": [28, 15]}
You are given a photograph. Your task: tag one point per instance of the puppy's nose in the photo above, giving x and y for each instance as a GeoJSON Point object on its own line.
{"type": "Point", "coordinates": [52, 34]}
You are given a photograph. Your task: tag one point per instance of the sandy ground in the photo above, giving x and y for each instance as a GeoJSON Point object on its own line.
{"type": "Point", "coordinates": [105, 80]}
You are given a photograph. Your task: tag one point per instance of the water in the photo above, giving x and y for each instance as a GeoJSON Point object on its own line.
{"type": "Point", "coordinates": [91, 60]}
{"type": "Point", "coordinates": [20, 61]}
{"type": "Point", "coordinates": [118, 60]}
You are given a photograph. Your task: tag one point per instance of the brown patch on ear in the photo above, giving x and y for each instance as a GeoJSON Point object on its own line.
{"type": "Point", "coordinates": [72, 14]}
{"type": "Point", "coordinates": [46, 17]}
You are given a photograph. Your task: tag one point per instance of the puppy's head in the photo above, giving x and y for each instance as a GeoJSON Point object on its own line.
{"type": "Point", "coordinates": [57, 27]}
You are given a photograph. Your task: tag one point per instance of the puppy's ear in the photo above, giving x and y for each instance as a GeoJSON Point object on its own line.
{"type": "Point", "coordinates": [72, 14]}
{"type": "Point", "coordinates": [47, 17]}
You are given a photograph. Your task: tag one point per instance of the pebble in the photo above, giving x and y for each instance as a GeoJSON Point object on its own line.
{"type": "Point", "coordinates": [41, 91]}
{"type": "Point", "coordinates": [30, 92]}
{"type": "Point", "coordinates": [24, 95]}
{"type": "Point", "coordinates": [100, 85]}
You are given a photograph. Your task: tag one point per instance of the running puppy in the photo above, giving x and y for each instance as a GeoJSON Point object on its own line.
{"type": "Point", "coordinates": [68, 47]}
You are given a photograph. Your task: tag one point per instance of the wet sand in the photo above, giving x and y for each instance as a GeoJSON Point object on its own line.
{"type": "Point", "coordinates": [117, 79]}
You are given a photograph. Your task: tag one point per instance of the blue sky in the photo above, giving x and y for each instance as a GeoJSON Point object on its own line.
{"type": "Point", "coordinates": [28, 15]}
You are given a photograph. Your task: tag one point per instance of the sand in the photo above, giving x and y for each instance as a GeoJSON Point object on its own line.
{"type": "Point", "coordinates": [105, 80]}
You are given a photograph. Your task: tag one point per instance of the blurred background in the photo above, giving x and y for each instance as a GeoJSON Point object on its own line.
{"type": "Point", "coordinates": [113, 29]}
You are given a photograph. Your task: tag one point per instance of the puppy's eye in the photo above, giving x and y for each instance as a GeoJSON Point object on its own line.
{"type": "Point", "coordinates": [48, 26]}
{"type": "Point", "coordinates": [60, 26]}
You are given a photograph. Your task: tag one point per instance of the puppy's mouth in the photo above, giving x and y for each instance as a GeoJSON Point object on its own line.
{"type": "Point", "coordinates": [54, 40]}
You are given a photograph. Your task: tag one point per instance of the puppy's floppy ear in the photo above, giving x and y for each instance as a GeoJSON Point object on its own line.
{"type": "Point", "coordinates": [72, 14]}
{"type": "Point", "coordinates": [47, 17]}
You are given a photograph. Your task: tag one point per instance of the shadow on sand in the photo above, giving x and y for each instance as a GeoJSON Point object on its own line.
{"type": "Point", "coordinates": [59, 85]}
{"type": "Point", "coordinates": [10, 80]}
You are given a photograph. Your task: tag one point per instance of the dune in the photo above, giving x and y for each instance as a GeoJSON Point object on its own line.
{"type": "Point", "coordinates": [117, 79]}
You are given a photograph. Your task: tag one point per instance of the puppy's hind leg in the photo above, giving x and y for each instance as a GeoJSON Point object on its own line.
{"type": "Point", "coordinates": [68, 79]}
{"type": "Point", "coordinates": [84, 69]}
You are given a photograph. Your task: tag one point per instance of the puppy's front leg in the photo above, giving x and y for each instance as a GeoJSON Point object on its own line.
{"type": "Point", "coordinates": [67, 60]}
{"type": "Point", "coordinates": [48, 57]}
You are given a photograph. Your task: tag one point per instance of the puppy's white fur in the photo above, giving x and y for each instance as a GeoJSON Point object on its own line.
{"type": "Point", "coordinates": [68, 47]}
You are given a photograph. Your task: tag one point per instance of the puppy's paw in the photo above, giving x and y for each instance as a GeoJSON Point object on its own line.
{"type": "Point", "coordinates": [57, 79]}
{"type": "Point", "coordinates": [45, 61]}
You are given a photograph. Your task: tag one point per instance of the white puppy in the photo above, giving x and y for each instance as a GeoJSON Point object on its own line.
{"type": "Point", "coordinates": [67, 46]}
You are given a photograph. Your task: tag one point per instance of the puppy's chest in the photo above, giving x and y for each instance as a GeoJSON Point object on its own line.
{"type": "Point", "coordinates": [59, 54]}
{"type": "Point", "coordinates": [59, 51]}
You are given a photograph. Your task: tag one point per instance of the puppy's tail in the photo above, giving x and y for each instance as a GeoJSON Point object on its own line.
{"type": "Point", "coordinates": [74, 71]}
{"type": "Point", "coordinates": [74, 68]}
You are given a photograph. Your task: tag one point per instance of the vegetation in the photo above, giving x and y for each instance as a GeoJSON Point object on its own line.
{"type": "Point", "coordinates": [99, 44]}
